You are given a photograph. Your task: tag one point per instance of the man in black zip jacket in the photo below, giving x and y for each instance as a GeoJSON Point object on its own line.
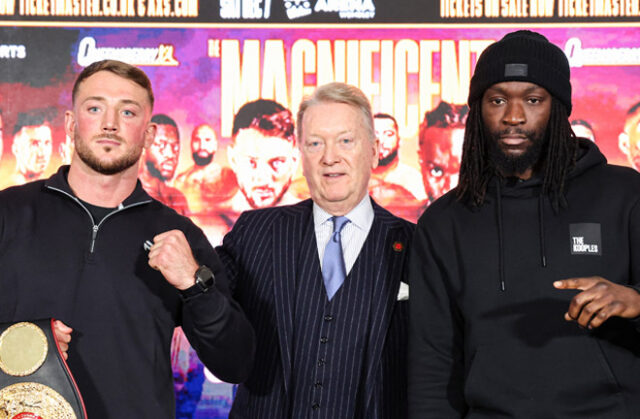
{"type": "Point", "coordinates": [540, 234]}
{"type": "Point", "coordinates": [89, 247]}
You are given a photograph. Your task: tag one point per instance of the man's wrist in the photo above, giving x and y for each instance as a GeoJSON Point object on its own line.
{"type": "Point", "coordinates": [204, 280]}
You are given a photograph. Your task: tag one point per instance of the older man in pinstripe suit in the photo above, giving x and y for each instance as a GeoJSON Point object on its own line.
{"type": "Point", "coordinates": [327, 348]}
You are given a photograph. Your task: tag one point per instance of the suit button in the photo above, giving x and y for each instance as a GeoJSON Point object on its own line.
{"type": "Point", "coordinates": [328, 318]}
{"type": "Point", "coordinates": [315, 406]}
{"type": "Point", "coordinates": [318, 384]}
{"type": "Point", "coordinates": [321, 362]}
{"type": "Point", "coordinates": [324, 339]}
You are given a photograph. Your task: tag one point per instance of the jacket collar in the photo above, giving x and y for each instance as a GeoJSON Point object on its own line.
{"type": "Point", "coordinates": [59, 181]}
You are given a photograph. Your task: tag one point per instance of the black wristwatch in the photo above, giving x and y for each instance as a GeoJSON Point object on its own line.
{"type": "Point", "coordinates": [204, 281]}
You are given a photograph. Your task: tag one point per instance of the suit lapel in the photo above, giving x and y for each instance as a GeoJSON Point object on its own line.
{"type": "Point", "coordinates": [289, 240]}
{"type": "Point", "coordinates": [386, 283]}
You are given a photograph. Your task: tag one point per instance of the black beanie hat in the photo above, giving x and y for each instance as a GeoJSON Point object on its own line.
{"type": "Point", "coordinates": [523, 56]}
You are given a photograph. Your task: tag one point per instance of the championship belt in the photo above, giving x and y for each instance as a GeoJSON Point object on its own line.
{"type": "Point", "coordinates": [35, 381]}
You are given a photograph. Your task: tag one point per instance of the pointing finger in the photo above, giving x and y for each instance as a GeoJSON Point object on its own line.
{"type": "Point", "coordinates": [576, 283]}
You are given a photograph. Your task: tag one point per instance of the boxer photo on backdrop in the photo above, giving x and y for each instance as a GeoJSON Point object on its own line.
{"type": "Point", "coordinates": [263, 155]}
{"type": "Point", "coordinates": [206, 183]}
{"type": "Point", "coordinates": [159, 164]}
{"type": "Point", "coordinates": [32, 146]}
{"type": "Point", "coordinates": [440, 148]}
{"type": "Point", "coordinates": [629, 138]}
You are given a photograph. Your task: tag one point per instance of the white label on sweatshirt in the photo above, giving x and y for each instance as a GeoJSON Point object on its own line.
{"type": "Point", "coordinates": [585, 239]}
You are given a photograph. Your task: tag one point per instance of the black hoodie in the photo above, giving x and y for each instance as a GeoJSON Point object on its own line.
{"type": "Point", "coordinates": [488, 337]}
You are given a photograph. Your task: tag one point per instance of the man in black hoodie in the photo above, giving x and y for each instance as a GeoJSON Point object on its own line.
{"type": "Point", "coordinates": [540, 233]}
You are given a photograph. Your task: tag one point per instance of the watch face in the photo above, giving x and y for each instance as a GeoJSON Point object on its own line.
{"type": "Point", "coordinates": [204, 277]}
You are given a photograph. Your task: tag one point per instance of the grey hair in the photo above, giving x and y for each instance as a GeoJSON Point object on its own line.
{"type": "Point", "coordinates": [338, 92]}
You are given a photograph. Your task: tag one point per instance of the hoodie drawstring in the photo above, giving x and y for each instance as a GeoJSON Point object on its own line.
{"type": "Point", "coordinates": [543, 254]}
{"type": "Point", "coordinates": [500, 238]}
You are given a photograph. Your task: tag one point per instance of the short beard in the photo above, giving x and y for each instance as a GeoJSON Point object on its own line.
{"type": "Point", "coordinates": [275, 201]}
{"type": "Point", "coordinates": [508, 165]}
{"type": "Point", "coordinates": [202, 161]}
{"type": "Point", "coordinates": [106, 168]}
{"type": "Point", "coordinates": [154, 172]}
{"type": "Point", "coordinates": [386, 161]}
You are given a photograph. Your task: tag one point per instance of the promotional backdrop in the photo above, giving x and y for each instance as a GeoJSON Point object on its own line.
{"type": "Point", "coordinates": [206, 61]}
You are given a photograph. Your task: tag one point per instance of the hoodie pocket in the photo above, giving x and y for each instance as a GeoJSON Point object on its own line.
{"type": "Point", "coordinates": [564, 378]}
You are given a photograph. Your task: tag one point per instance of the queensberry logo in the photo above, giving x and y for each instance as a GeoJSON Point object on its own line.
{"type": "Point", "coordinates": [580, 56]}
{"type": "Point", "coordinates": [162, 55]}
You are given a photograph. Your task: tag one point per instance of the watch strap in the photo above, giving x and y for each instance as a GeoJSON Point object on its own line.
{"type": "Point", "coordinates": [204, 281]}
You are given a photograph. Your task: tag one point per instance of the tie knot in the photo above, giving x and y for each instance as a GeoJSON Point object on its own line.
{"type": "Point", "coordinates": [338, 223]}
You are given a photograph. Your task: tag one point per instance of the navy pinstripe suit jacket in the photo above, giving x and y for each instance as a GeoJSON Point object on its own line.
{"type": "Point", "coordinates": [262, 253]}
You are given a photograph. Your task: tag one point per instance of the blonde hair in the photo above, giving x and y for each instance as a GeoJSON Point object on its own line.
{"type": "Point", "coordinates": [337, 92]}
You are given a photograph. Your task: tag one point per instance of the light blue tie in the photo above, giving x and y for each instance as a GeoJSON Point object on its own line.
{"type": "Point", "coordinates": [333, 269]}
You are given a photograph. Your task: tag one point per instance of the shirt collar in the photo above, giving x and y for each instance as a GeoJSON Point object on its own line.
{"type": "Point", "coordinates": [361, 216]}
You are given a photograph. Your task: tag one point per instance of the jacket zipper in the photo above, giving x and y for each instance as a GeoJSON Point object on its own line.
{"type": "Point", "coordinates": [95, 227]}
{"type": "Point", "coordinates": [93, 237]}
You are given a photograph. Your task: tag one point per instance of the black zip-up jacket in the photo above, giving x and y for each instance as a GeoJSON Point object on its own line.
{"type": "Point", "coordinates": [55, 262]}
{"type": "Point", "coordinates": [487, 335]}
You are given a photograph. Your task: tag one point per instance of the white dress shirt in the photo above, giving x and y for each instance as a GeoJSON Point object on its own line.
{"type": "Point", "coordinates": [353, 234]}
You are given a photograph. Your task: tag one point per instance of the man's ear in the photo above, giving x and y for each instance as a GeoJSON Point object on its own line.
{"type": "Point", "coordinates": [149, 134]}
{"type": "Point", "coordinates": [376, 153]}
{"type": "Point", "coordinates": [70, 124]}
{"type": "Point", "coordinates": [623, 142]}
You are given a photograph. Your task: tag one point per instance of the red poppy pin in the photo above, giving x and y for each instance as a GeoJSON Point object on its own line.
{"type": "Point", "coordinates": [398, 246]}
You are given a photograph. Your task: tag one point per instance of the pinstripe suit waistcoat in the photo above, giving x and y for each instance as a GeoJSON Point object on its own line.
{"type": "Point", "coordinates": [263, 255]}
{"type": "Point", "coordinates": [329, 342]}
